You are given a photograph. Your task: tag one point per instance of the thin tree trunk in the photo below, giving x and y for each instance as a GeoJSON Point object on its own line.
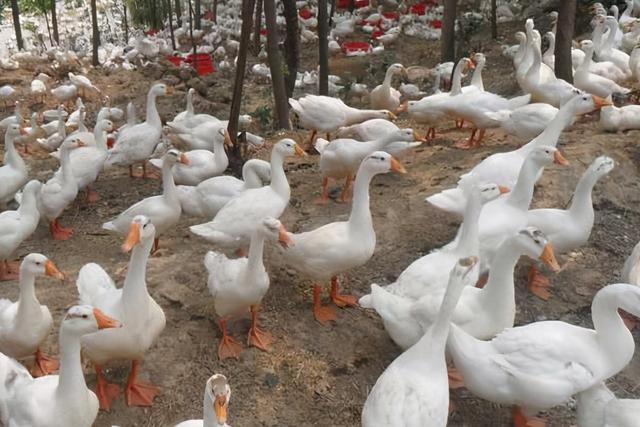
{"type": "Point", "coordinates": [494, 20]}
{"type": "Point", "coordinates": [564, 36]}
{"type": "Point", "coordinates": [215, 11]}
{"type": "Point", "coordinates": [198, 13]}
{"type": "Point", "coordinates": [126, 23]}
{"type": "Point", "coordinates": [448, 42]}
{"type": "Point", "coordinates": [275, 64]}
{"type": "Point", "coordinates": [234, 114]}
{"type": "Point", "coordinates": [15, 11]}
{"type": "Point", "coordinates": [323, 44]}
{"type": "Point", "coordinates": [54, 21]}
{"type": "Point", "coordinates": [332, 12]}
{"type": "Point", "coordinates": [46, 20]}
{"type": "Point", "coordinates": [257, 26]}
{"type": "Point", "coordinates": [193, 43]}
{"type": "Point", "coordinates": [178, 13]}
{"type": "Point", "coordinates": [291, 44]}
{"type": "Point", "coordinates": [173, 39]}
{"type": "Point", "coordinates": [96, 34]}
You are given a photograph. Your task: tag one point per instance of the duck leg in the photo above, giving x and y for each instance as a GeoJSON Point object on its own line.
{"type": "Point", "coordinates": [465, 145]}
{"type": "Point", "coordinates": [90, 195]}
{"type": "Point", "coordinates": [8, 271]}
{"type": "Point", "coordinates": [341, 300]}
{"type": "Point", "coordinates": [345, 196]}
{"type": "Point", "coordinates": [150, 174]}
{"type": "Point", "coordinates": [133, 174]}
{"type": "Point", "coordinates": [44, 364]}
{"type": "Point", "coordinates": [58, 232]}
{"type": "Point", "coordinates": [455, 378]}
{"type": "Point", "coordinates": [105, 391]}
{"type": "Point", "coordinates": [312, 138]}
{"type": "Point", "coordinates": [521, 420]}
{"type": "Point", "coordinates": [228, 347]}
{"type": "Point", "coordinates": [322, 313]}
{"type": "Point", "coordinates": [431, 133]}
{"type": "Point", "coordinates": [324, 197]}
{"type": "Point", "coordinates": [257, 336]}
{"type": "Point", "coordinates": [156, 244]}
{"type": "Point", "coordinates": [538, 284]}
{"type": "Point", "coordinates": [480, 138]}
{"type": "Point", "coordinates": [139, 393]}
{"type": "Point", "coordinates": [459, 123]}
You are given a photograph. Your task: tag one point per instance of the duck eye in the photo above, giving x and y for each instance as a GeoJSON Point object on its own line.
{"type": "Point", "coordinates": [84, 316]}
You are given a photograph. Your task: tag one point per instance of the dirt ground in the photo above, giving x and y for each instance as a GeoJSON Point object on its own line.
{"type": "Point", "coordinates": [320, 375]}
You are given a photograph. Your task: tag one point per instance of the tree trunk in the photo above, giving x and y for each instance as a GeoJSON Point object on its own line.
{"type": "Point", "coordinates": [564, 36]}
{"type": "Point", "coordinates": [247, 24]}
{"type": "Point", "coordinates": [494, 20]}
{"type": "Point", "coordinates": [275, 64]}
{"type": "Point", "coordinates": [178, 13]}
{"type": "Point", "coordinates": [173, 39]}
{"type": "Point", "coordinates": [291, 45]}
{"type": "Point", "coordinates": [323, 44]}
{"type": "Point", "coordinates": [46, 20]}
{"type": "Point", "coordinates": [193, 43]}
{"type": "Point", "coordinates": [15, 11]}
{"type": "Point", "coordinates": [332, 12]}
{"type": "Point", "coordinates": [126, 23]}
{"type": "Point", "coordinates": [54, 21]}
{"type": "Point", "coordinates": [215, 11]}
{"type": "Point", "coordinates": [257, 26]}
{"type": "Point", "coordinates": [96, 34]}
{"type": "Point", "coordinates": [448, 42]}
{"type": "Point", "coordinates": [198, 14]}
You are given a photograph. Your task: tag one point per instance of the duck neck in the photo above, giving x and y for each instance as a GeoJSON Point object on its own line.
{"type": "Point", "coordinates": [65, 165]}
{"type": "Point", "coordinates": [551, 50]}
{"type": "Point", "coordinates": [588, 59]}
{"type": "Point", "coordinates": [168, 184]}
{"type": "Point", "coordinates": [28, 304]}
{"type": "Point", "coordinates": [614, 338]}
{"type": "Point", "coordinates": [596, 37]}
{"type": "Point", "coordinates": [469, 243]}
{"type": "Point", "coordinates": [386, 83]}
{"type": "Point", "coordinates": [612, 35]}
{"type": "Point", "coordinates": [456, 80]}
{"type": "Point", "coordinates": [520, 53]}
{"type": "Point", "coordinates": [256, 250]}
{"type": "Point", "coordinates": [153, 118]}
{"type": "Point", "coordinates": [440, 329]}
{"type": "Point", "coordinates": [135, 293]}
{"type": "Point", "coordinates": [521, 195]}
{"type": "Point", "coordinates": [499, 290]}
{"type": "Point", "coordinates": [28, 205]}
{"type": "Point", "coordinates": [190, 111]}
{"type": "Point", "coordinates": [476, 79]}
{"type": "Point", "coordinates": [536, 59]}
{"type": "Point", "coordinates": [11, 156]}
{"type": "Point", "coordinates": [551, 133]}
{"type": "Point", "coordinates": [250, 177]}
{"type": "Point", "coordinates": [208, 415]}
{"type": "Point", "coordinates": [358, 116]}
{"type": "Point", "coordinates": [71, 383]}
{"type": "Point", "coordinates": [279, 182]}
{"type": "Point", "coordinates": [360, 217]}
{"type": "Point", "coordinates": [582, 203]}
{"type": "Point", "coordinates": [219, 154]}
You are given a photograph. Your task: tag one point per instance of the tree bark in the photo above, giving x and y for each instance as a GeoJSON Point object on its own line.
{"type": "Point", "coordinates": [494, 20]}
{"type": "Point", "coordinates": [235, 159]}
{"type": "Point", "coordinates": [96, 34]}
{"type": "Point", "coordinates": [215, 11]}
{"type": "Point", "coordinates": [193, 44]}
{"type": "Point", "coordinates": [178, 13]}
{"type": "Point", "coordinates": [257, 26]}
{"type": "Point", "coordinates": [54, 21]}
{"type": "Point", "coordinates": [564, 36]}
{"type": "Point", "coordinates": [448, 37]}
{"type": "Point", "coordinates": [173, 39]}
{"type": "Point", "coordinates": [126, 23]}
{"type": "Point", "coordinates": [198, 13]}
{"type": "Point", "coordinates": [332, 12]}
{"type": "Point", "coordinates": [291, 45]}
{"type": "Point", "coordinates": [15, 11]}
{"type": "Point", "coordinates": [323, 45]}
{"type": "Point", "coordinates": [275, 64]}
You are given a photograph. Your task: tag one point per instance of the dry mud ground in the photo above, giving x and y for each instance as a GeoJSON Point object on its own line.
{"type": "Point", "coordinates": [320, 375]}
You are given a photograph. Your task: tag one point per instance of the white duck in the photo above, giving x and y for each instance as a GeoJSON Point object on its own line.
{"type": "Point", "coordinates": [599, 407]}
{"type": "Point", "coordinates": [64, 93]}
{"type": "Point", "coordinates": [608, 52]}
{"type": "Point", "coordinates": [17, 226]}
{"type": "Point", "coordinates": [367, 130]}
{"type": "Point", "coordinates": [234, 224]}
{"type": "Point", "coordinates": [82, 83]}
{"type": "Point", "coordinates": [6, 93]}
{"type": "Point", "coordinates": [543, 364]}
{"type": "Point", "coordinates": [385, 97]}
{"type": "Point", "coordinates": [326, 114]}
{"type": "Point", "coordinates": [136, 143]}
{"type": "Point", "coordinates": [503, 168]}
{"type": "Point", "coordinates": [62, 399]}
{"type": "Point", "coordinates": [619, 119]}
{"type": "Point", "coordinates": [526, 122]}
{"type": "Point", "coordinates": [25, 324]}
{"type": "Point", "coordinates": [53, 141]}
{"type": "Point", "coordinates": [215, 405]}
{"type": "Point", "coordinates": [238, 285]}
{"type": "Point", "coordinates": [341, 158]}
{"type": "Point", "coordinates": [208, 197]}
{"type": "Point", "coordinates": [142, 318]}
{"type": "Point", "coordinates": [13, 173]}
{"type": "Point", "coordinates": [335, 248]}
{"type": "Point", "coordinates": [38, 89]}
{"type": "Point", "coordinates": [593, 83]}
{"type": "Point", "coordinates": [59, 192]}
{"type": "Point", "coordinates": [414, 389]}
{"type": "Point", "coordinates": [163, 210]}
{"type": "Point", "coordinates": [203, 164]}
{"type": "Point", "coordinates": [569, 229]}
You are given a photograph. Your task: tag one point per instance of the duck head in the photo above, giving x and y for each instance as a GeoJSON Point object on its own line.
{"type": "Point", "coordinates": [39, 265]}
{"type": "Point", "coordinates": [84, 319]}
{"type": "Point", "coordinates": [218, 392]}
{"type": "Point", "coordinates": [534, 244]}
{"type": "Point", "coordinates": [382, 162]}
{"type": "Point", "coordinates": [140, 229]}
{"type": "Point", "coordinates": [288, 147]}
{"type": "Point", "coordinates": [275, 230]}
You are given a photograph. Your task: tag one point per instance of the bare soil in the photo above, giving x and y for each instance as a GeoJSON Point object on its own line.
{"type": "Point", "coordinates": [320, 375]}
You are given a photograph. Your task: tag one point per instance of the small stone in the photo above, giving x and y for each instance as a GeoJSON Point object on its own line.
{"type": "Point", "coordinates": [271, 380]}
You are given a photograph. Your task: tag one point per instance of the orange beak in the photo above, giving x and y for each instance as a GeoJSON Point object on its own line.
{"type": "Point", "coordinates": [184, 159]}
{"type": "Point", "coordinates": [104, 321]}
{"type": "Point", "coordinates": [549, 258]}
{"type": "Point", "coordinates": [51, 270]}
{"type": "Point", "coordinates": [284, 239]}
{"type": "Point", "coordinates": [227, 139]}
{"type": "Point", "coordinates": [169, 90]}
{"type": "Point", "coordinates": [471, 65]}
{"type": "Point", "coordinates": [559, 159]}
{"type": "Point", "coordinates": [418, 137]}
{"type": "Point", "coordinates": [220, 408]}
{"type": "Point", "coordinates": [392, 116]}
{"type": "Point", "coordinates": [299, 151]}
{"type": "Point", "coordinates": [133, 237]}
{"type": "Point", "coordinates": [396, 166]}
{"type": "Point", "coordinates": [503, 189]}
{"type": "Point", "coordinates": [600, 102]}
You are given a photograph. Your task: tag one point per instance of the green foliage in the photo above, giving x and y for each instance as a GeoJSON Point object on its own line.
{"type": "Point", "coordinates": [35, 6]}
{"type": "Point", "coordinates": [30, 26]}
{"type": "Point", "coordinates": [262, 115]}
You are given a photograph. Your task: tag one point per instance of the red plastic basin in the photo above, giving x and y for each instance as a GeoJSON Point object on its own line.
{"type": "Point", "coordinates": [436, 23]}
{"type": "Point", "coordinates": [356, 46]}
{"type": "Point", "coordinates": [202, 63]}
{"type": "Point", "coordinates": [305, 13]}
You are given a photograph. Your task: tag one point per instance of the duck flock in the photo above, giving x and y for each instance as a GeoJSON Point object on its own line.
{"type": "Point", "coordinates": [451, 311]}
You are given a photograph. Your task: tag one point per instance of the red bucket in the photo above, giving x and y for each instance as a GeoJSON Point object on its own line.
{"type": "Point", "coordinates": [175, 60]}
{"type": "Point", "coordinates": [361, 3]}
{"type": "Point", "coordinates": [391, 15]}
{"type": "Point", "coordinates": [202, 63]}
{"type": "Point", "coordinates": [305, 13]}
{"type": "Point", "coordinates": [419, 9]}
{"type": "Point", "coordinates": [356, 47]}
{"type": "Point", "coordinates": [377, 33]}
{"type": "Point", "coordinates": [151, 32]}
{"type": "Point", "coordinates": [436, 23]}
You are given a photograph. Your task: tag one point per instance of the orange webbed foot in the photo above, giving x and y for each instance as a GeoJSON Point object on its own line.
{"type": "Point", "coordinates": [229, 347]}
{"type": "Point", "coordinates": [140, 394]}
{"type": "Point", "coordinates": [105, 391]}
{"type": "Point", "coordinates": [521, 420]}
{"type": "Point", "coordinates": [91, 196]}
{"type": "Point", "coordinates": [538, 284]}
{"type": "Point", "coordinates": [259, 338]}
{"type": "Point", "coordinates": [324, 314]}
{"type": "Point", "coordinates": [44, 365]}
{"type": "Point", "coordinates": [455, 378]}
